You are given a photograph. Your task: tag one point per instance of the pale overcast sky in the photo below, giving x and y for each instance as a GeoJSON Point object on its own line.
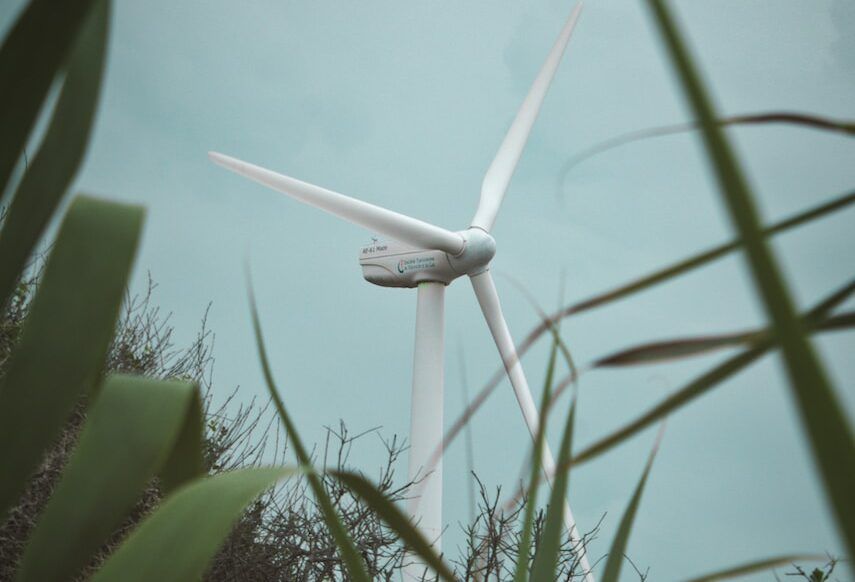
{"type": "Point", "coordinates": [404, 104]}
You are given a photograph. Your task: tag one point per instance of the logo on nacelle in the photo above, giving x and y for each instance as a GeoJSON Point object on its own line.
{"type": "Point", "coordinates": [418, 263]}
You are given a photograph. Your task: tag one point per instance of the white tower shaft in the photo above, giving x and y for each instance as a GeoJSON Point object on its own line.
{"type": "Point", "coordinates": [426, 426]}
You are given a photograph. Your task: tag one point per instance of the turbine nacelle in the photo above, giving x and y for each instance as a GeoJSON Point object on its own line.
{"type": "Point", "coordinates": [390, 263]}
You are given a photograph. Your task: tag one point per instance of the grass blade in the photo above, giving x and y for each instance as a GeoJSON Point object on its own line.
{"type": "Point", "coordinates": [772, 117]}
{"type": "Point", "coordinates": [706, 381]}
{"type": "Point", "coordinates": [351, 558]}
{"type": "Point", "coordinates": [396, 520]}
{"type": "Point", "coordinates": [61, 152]}
{"type": "Point", "coordinates": [69, 329]}
{"type": "Point", "coordinates": [656, 352]}
{"type": "Point", "coordinates": [817, 319]}
{"type": "Point", "coordinates": [546, 558]}
{"type": "Point", "coordinates": [129, 435]}
{"type": "Point", "coordinates": [178, 540]}
{"type": "Point", "coordinates": [614, 562]}
{"type": "Point", "coordinates": [524, 549]}
{"type": "Point", "coordinates": [822, 417]}
{"type": "Point", "coordinates": [757, 566]}
{"type": "Point", "coordinates": [32, 54]}
{"type": "Point", "coordinates": [696, 261]}
{"type": "Point", "coordinates": [628, 289]}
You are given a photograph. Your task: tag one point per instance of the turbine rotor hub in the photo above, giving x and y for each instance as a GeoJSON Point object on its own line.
{"type": "Point", "coordinates": [479, 248]}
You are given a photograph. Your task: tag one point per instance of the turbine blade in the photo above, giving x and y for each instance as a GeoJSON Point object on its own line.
{"type": "Point", "coordinates": [502, 168]}
{"type": "Point", "coordinates": [488, 298]}
{"type": "Point", "coordinates": [398, 226]}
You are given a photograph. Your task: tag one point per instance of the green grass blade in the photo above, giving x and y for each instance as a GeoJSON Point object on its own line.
{"type": "Point", "coordinates": [758, 566]}
{"type": "Point", "coordinates": [694, 389]}
{"type": "Point", "coordinates": [67, 334]}
{"type": "Point", "coordinates": [805, 120]}
{"type": "Point", "coordinates": [33, 52]}
{"type": "Point", "coordinates": [614, 562]}
{"type": "Point", "coordinates": [178, 540]}
{"type": "Point", "coordinates": [546, 558]}
{"type": "Point", "coordinates": [129, 435]}
{"type": "Point", "coordinates": [524, 548]}
{"type": "Point", "coordinates": [822, 416]}
{"type": "Point", "coordinates": [696, 261]}
{"type": "Point", "coordinates": [655, 352]}
{"type": "Point", "coordinates": [61, 152]}
{"type": "Point", "coordinates": [632, 287]}
{"type": "Point", "coordinates": [395, 519]}
{"type": "Point", "coordinates": [817, 317]}
{"type": "Point", "coordinates": [349, 555]}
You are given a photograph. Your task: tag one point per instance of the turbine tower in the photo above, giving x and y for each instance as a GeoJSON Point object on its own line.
{"type": "Point", "coordinates": [429, 258]}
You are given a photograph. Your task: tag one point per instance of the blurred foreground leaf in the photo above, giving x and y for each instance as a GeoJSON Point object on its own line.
{"type": "Point", "coordinates": [772, 117]}
{"type": "Point", "coordinates": [614, 562]}
{"type": "Point", "coordinates": [656, 352]}
{"type": "Point", "coordinates": [707, 381]}
{"type": "Point", "coordinates": [67, 334]}
{"type": "Point", "coordinates": [757, 566]}
{"type": "Point", "coordinates": [546, 558]}
{"type": "Point", "coordinates": [33, 52]}
{"type": "Point", "coordinates": [696, 261]}
{"type": "Point", "coordinates": [823, 419]}
{"type": "Point", "coordinates": [635, 286]}
{"type": "Point", "coordinates": [177, 541]}
{"type": "Point", "coordinates": [133, 432]}
{"type": "Point", "coordinates": [61, 152]}
{"type": "Point", "coordinates": [524, 548]}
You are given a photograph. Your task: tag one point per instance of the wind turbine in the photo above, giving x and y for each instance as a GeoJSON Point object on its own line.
{"type": "Point", "coordinates": [429, 258]}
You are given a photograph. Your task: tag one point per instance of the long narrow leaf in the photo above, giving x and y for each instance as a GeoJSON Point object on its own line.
{"type": "Point", "coordinates": [351, 558]}
{"type": "Point", "coordinates": [62, 150]}
{"type": "Point", "coordinates": [772, 117]}
{"type": "Point", "coordinates": [696, 261]}
{"type": "Point", "coordinates": [614, 562]}
{"type": "Point", "coordinates": [395, 519]}
{"type": "Point", "coordinates": [546, 558]}
{"type": "Point", "coordinates": [655, 352]}
{"type": "Point", "coordinates": [706, 382]}
{"type": "Point", "coordinates": [758, 566]}
{"type": "Point", "coordinates": [129, 435]}
{"type": "Point", "coordinates": [32, 54]}
{"type": "Point", "coordinates": [67, 334]}
{"type": "Point", "coordinates": [823, 419]}
{"type": "Point", "coordinates": [626, 290]}
{"type": "Point", "coordinates": [178, 540]}
{"type": "Point", "coordinates": [524, 548]}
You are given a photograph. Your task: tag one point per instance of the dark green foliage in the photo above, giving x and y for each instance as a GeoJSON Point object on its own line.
{"type": "Point", "coordinates": [70, 325]}
{"type": "Point", "coordinates": [61, 151]}
{"type": "Point", "coordinates": [33, 53]}
{"type": "Point", "coordinates": [133, 433]}
{"type": "Point", "coordinates": [177, 541]}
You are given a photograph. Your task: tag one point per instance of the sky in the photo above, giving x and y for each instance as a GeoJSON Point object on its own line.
{"type": "Point", "coordinates": [404, 104]}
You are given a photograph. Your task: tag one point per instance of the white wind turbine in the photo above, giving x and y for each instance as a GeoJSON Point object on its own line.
{"type": "Point", "coordinates": [429, 257]}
